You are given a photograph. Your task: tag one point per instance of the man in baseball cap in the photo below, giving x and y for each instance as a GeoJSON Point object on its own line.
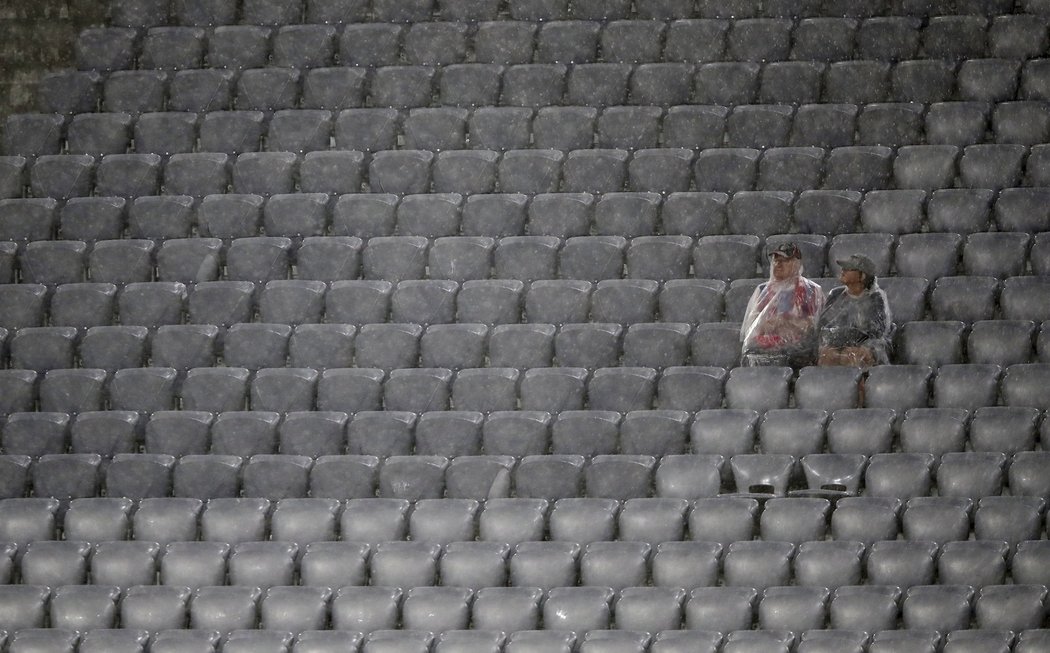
{"type": "Point", "coordinates": [779, 326]}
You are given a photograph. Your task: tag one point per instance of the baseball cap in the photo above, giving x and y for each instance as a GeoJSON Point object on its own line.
{"type": "Point", "coordinates": [858, 262]}
{"type": "Point", "coordinates": [787, 250]}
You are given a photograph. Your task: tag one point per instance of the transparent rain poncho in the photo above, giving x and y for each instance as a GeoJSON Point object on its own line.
{"type": "Point", "coordinates": [863, 320]}
{"type": "Point", "coordinates": [780, 323]}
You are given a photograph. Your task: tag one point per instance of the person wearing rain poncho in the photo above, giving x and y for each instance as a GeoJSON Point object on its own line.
{"type": "Point", "coordinates": [855, 327]}
{"type": "Point", "coordinates": [780, 323]}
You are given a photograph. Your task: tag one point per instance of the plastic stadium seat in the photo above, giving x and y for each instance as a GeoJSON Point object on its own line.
{"type": "Point", "coordinates": [501, 128]}
{"type": "Point", "coordinates": [567, 41]}
{"type": "Point", "coordinates": [224, 608]}
{"type": "Point", "coordinates": [230, 216]}
{"type": "Point", "coordinates": [759, 126]}
{"type": "Point", "coordinates": [578, 608]}
{"type": "Point", "coordinates": [294, 609]}
{"type": "Point", "coordinates": [267, 90]}
{"type": "Point", "coordinates": [1013, 607]}
{"type": "Point", "coordinates": [899, 475]}
{"type": "Point", "coordinates": [1008, 518]}
{"type": "Point", "coordinates": [626, 41]}
{"type": "Point", "coordinates": [401, 87]}
{"type": "Point", "coordinates": [980, 81]}
{"type": "Point", "coordinates": [12, 176]}
{"type": "Point", "coordinates": [957, 123]}
{"type": "Point", "coordinates": [262, 564]}
{"type": "Point", "coordinates": [557, 301]}
{"type": "Point", "coordinates": [63, 176]}
{"type": "Point", "coordinates": [299, 130]}
{"type": "Point", "coordinates": [974, 563]}
{"type": "Point", "coordinates": [198, 90]}
{"type": "Point", "coordinates": [653, 520]}
{"type": "Point", "coordinates": [303, 46]}
{"type": "Point", "coordinates": [1019, 209]}
{"type": "Point", "coordinates": [931, 343]}
{"type": "Point", "coordinates": [1024, 473]}
{"type": "Point", "coordinates": [470, 84]}
{"type": "Point", "coordinates": [410, 250]}
{"type": "Point", "coordinates": [376, 44]}
{"type": "Point", "coordinates": [105, 49]}
{"type": "Point", "coordinates": [166, 520]}
{"type": "Point", "coordinates": [623, 301]}
{"type": "Point", "coordinates": [790, 168]}
{"type": "Point", "coordinates": [1020, 385]}
{"type": "Point", "coordinates": [598, 84]}
{"type": "Point", "coordinates": [830, 564]}
{"type": "Point", "coordinates": [334, 563]}
{"type": "Point", "coordinates": [276, 476]}
{"type": "Point", "coordinates": [1021, 122]}
{"type": "Point", "coordinates": [436, 609]}
{"type": "Point", "coordinates": [553, 389]}
{"type": "Point", "coordinates": [139, 476]}
{"type": "Point", "coordinates": [870, 607]}
{"type": "Point", "coordinates": [904, 563]}
{"type": "Point", "coordinates": [861, 430]}
{"type": "Point", "coordinates": [30, 135]}
{"type": "Point", "coordinates": [938, 519]}
{"type": "Point", "coordinates": [720, 609]}
{"type": "Point", "coordinates": [206, 476]}
{"type": "Point", "coordinates": [584, 520]}
{"type": "Point", "coordinates": [1024, 298]}
{"type": "Point", "coordinates": [995, 254]}
{"type": "Point", "coordinates": [36, 434]}
{"type": "Point", "coordinates": [194, 564]}
{"type": "Point", "coordinates": [590, 346]}
{"type": "Point", "coordinates": [124, 564]}
{"type": "Point", "coordinates": [550, 477]}
{"type": "Point", "coordinates": [934, 430]}
{"type": "Point", "coordinates": [404, 564]}
{"type": "Point", "coordinates": [992, 165]}
{"type": "Point", "coordinates": [971, 474]}
{"type": "Point", "coordinates": [165, 133]}
{"type": "Point", "coordinates": [231, 132]}
{"type": "Point", "coordinates": [172, 47]}
{"type": "Point", "coordinates": [479, 477]}
{"type": "Point", "coordinates": [619, 476]}
{"type": "Point", "coordinates": [155, 608]}
{"type": "Point", "coordinates": [373, 520]}
{"type": "Point", "coordinates": [55, 563]}
{"type": "Point", "coordinates": [69, 91]}
{"type": "Point", "coordinates": [244, 433]}
{"type": "Point", "coordinates": [263, 173]}
{"type": "Point", "coordinates": [866, 519]}
{"type": "Point", "coordinates": [235, 520]}
{"type": "Point", "coordinates": [530, 171]}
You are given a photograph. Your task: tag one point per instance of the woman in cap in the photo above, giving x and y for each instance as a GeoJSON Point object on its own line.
{"type": "Point", "coordinates": [855, 326]}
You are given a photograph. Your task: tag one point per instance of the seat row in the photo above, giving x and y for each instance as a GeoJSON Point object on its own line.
{"type": "Point", "coordinates": [444, 42]}
{"type": "Point", "coordinates": [562, 561]}
{"type": "Point", "coordinates": [695, 126]}
{"type": "Point", "coordinates": [1005, 530]}
{"type": "Point", "coordinates": [820, 215]}
{"type": "Point", "coordinates": [492, 641]}
{"type": "Point", "coordinates": [972, 476]}
{"type": "Point", "coordinates": [1021, 304]}
{"type": "Point", "coordinates": [250, 619]}
{"type": "Point", "coordinates": [596, 416]}
{"type": "Point", "coordinates": [151, 13]}
{"type": "Point", "coordinates": [522, 641]}
{"type": "Point", "coordinates": [969, 178]}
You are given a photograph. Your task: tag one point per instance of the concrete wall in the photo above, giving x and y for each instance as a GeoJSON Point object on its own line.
{"type": "Point", "coordinates": [37, 36]}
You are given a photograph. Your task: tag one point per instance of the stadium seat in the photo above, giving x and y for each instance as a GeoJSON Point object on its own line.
{"type": "Point", "coordinates": [124, 564]}
{"type": "Point", "coordinates": [549, 477]}
{"type": "Point", "coordinates": [55, 563]}
{"type": "Point", "coordinates": [206, 476]}
{"type": "Point", "coordinates": [938, 519]}
{"type": "Point", "coordinates": [403, 564]}
{"type": "Point", "coordinates": [194, 564]}
{"type": "Point", "coordinates": [166, 520]}
{"type": "Point", "coordinates": [123, 175]}
{"type": "Point", "coordinates": [455, 346]}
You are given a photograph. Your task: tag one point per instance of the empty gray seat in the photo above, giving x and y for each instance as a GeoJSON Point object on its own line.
{"type": "Point", "coordinates": [231, 132]}
{"type": "Point", "coordinates": [199, 90]}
